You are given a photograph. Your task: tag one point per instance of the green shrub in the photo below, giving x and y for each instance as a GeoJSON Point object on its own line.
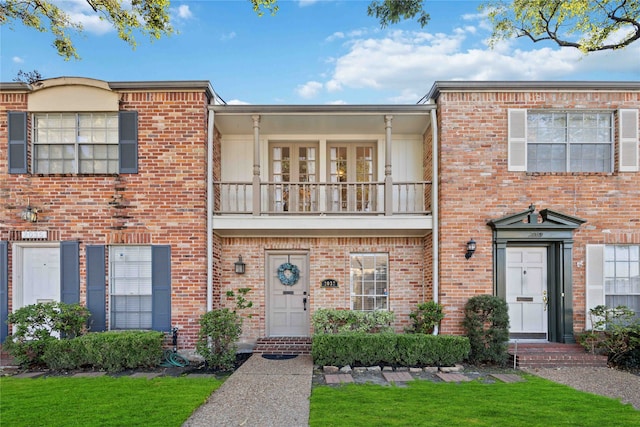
{"type": "Point", "coordinates": [110, 351]}
{"type": "Point", "coordinates": [431, 350]}
{"type": "Point", "coordinates": [425, 317]}
{"type": "Point", "coordinates": [486, 320]}
{"type": "Point", "coordinates": [38, 324]}
{"type": "Point", "coordinates": [333, 321]}
{"type": "Point", "coordinates": [357, 348]}
{"type": "Point", "coordinates": [616, 333]}
{"type": "Point", "coordinates": [65, 354]}
{"type": "Point", "coordinates": [115, 351]}
{"type": "Point", "coordinates": [219, 332]}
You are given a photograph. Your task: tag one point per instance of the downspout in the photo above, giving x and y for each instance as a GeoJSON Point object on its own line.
{"type": "Point", "coordinates": [434, 211]}
{"type": "Point", "coordinates": [210, 134]}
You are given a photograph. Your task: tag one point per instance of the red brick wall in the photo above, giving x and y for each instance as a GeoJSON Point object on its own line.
{"type": "Point", "coordinates": [163, 204]}
{"type": "Point", "coordinates": [328, 258]}
{"type": "Point", "coordinates": [476, 187]}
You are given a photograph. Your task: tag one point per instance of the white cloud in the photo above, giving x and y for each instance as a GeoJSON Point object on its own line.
{"type": "Point", "coordinates": [17, 60]}
{"type": "Point", "coordinates": [309, 89]}
{"type": "Point", "coordinates": [335, 36]}
{"type": "Point", "coordinates": [184, 12]}
{"type": "Point", "coordinates": [238, 102]}
{"type": "Point", "coordinates": [82, 13]}
{"type": "Point", "coordinates": [228, 36]}
{"type": "Point", "coordinates": [405, 64]}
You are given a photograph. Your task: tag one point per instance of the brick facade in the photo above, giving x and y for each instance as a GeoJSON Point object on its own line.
{"type": "Point", "coordinates": [163, 204]}
{"type": "Point", "coordinates": [328, 258]}
{"type": "Point", "coordinates": [476, 187]}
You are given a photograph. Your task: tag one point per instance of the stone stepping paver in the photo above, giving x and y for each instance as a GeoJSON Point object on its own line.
{"type": "Point", "coordinates": [338, 378]}
{"type": "Point", "coordinates": [451, 378]}
{"type": "Point", "coordinates": [89, 374]}
{"type": "Point", "coordinates": [397, 377]}
{"type": "Point", "coordinates": [148, 375]}
{"type": "Point", "coordinates": [507, 378]}
{"type": "Point", "coordinates": [29, 375]}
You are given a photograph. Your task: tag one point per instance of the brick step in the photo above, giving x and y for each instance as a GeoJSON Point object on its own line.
{"type": "Point", "coordinates": [554, 355]}
{"type": "Point", "coordinates": [283, 345]}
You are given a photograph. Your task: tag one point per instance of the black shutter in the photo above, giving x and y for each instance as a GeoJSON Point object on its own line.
{"type": "Point", "coordinates": [17, 142]}
{"type": "Point", "coordinates": [4, 290]}
{"type": "Point", "coordinates": [70, 272]}
{"type": "Point", "coordinates": [96, 288]}
{"type": "Point", "coordinates": [161, 288]}
{"type": "Point", "coordinates": [128, 145]}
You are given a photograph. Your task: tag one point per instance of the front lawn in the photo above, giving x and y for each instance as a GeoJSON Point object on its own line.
{"type": "Point", "coordinates": [534, 402]}
{"type": "Point", "coordinates": [168, 401]}
{"type": "Point", "coordinates": [102, 401]}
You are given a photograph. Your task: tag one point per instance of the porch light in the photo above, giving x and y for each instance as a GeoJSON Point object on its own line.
{"type": "Point", "coordinates": [29, 214]}
{"type": "Point", "coordinates": [471, 248]}
{"type": "Point", "coordinates": [239, 265]}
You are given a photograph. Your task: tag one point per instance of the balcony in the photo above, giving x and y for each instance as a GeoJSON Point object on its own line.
{"type": "Point", "coordinates": [322, 209]}
{"type": "Point", "coordinates": [314, 198]}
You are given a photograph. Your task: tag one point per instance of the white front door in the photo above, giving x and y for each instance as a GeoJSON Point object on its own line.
{"type": "Point", "coordinates": [527, 292]}
{"type": "Point", "coordinates": [37, 275]}
{"type": "Point", "coordinates": [288, 302]}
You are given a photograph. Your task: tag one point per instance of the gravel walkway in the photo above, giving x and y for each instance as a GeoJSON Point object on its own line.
{"type": "Point", "coordinates": [603, 381]}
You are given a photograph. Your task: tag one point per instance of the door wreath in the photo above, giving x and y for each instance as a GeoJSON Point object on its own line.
{"type": "Point", "coordinates": [288, 274]}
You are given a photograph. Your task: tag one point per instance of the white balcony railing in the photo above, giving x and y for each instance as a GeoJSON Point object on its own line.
{"type": "Point", "coordinates": [344, 198]}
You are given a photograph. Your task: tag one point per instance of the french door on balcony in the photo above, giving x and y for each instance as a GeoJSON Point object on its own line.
{"type": "Point", "coordinates": [352, 169]}
{"type": "Point", "coordinates": [293, 174]}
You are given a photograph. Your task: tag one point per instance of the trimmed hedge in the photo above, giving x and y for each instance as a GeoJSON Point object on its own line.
{"type": "Point", "coordinates": [363, 349]}
{"type": "Point", "coordinates": [334, 321]}
{"type": "Point", "coordinates": [110, 351]}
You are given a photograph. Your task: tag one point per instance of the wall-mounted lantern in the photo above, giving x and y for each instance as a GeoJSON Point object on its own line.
{"type": "Point", "coordinates": [239, 265]}
{"type": "Point", "coordinates": [471, 248]}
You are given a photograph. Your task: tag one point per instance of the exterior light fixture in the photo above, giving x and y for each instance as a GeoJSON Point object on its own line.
{"type": "Point", "coordinates": [29, 214]}
{"type": "Point", "coordinates": [471, 248]}
{"type": "Point", "coordinates": [239, 265]}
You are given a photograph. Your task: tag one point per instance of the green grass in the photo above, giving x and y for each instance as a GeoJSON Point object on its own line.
{"type": "Point", "coordinates": [534, 402]}
{"type": "Point", "coordinates": [168, 401]}
{"type": "Point", "coordinates": [102, 401]}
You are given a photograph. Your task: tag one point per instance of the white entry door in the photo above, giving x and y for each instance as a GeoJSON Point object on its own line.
{"type": "Point", "coordinates": [38, 274]}
{"type": "Point", "coordinates": [288, 302]}
{"type": "Point", "coordinates": [527, 296]}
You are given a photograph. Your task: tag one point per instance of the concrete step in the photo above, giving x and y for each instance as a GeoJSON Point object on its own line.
{"type": "Point", "coordinates": [283, 345]}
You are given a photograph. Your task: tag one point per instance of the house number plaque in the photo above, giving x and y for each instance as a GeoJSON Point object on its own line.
{"type": "Point", "coordinates": [329, 283]}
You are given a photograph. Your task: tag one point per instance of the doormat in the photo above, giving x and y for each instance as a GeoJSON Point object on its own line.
{"type": "Point", "coordinates": [279, 356]}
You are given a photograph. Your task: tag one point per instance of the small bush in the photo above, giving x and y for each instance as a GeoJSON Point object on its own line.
{"type": "Point", "coordinates": [332, 321]}
{"type": "Point", "coordinates": [219, 332]}
{"type": "Point", "coordinates": [111, 351]}
{"type": "Point", "coordinates": [356, 348]}
{"type": "Point", "coordinates": [616, 333]}
{"type": "Point", "coordinates": [65, 354]}
{"type": "Point", "coordinates": [486, 320]}
{"type": "Point", "coordinates": [115, 351]}
{"type": "Point", "coordinates": [431, 350]}
{"type": "Point", "coordinates": [38, 324]}
{"type": "Point", "coordinates": [425, 317]}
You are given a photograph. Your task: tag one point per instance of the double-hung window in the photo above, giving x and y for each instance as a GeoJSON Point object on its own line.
{"type": "Point", "coordinates": [369, 281]}
{"type": "Point", "coordinates": [573, 141]}
{"type": "Point", "coordinates": [130, 277]}
{"type": "Point", "coordinates": [569, 141]}
{"type": "Point", "coordinates": [75, 143]}
{"type": "Point", "coordinates": [622, 276]}
{"type": "Point", "coordinates": [613, 278]}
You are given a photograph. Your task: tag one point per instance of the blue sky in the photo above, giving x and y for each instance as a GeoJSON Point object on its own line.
{"type": "Point", "coordinates": [310, 52]}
